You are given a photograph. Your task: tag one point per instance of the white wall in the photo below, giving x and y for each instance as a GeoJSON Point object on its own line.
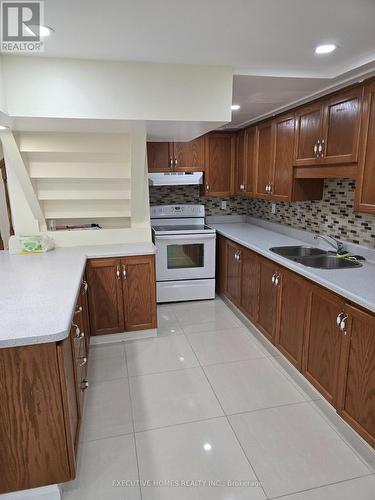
{"type": "Point", "coordinates": [3, 107]}
{"type": "Point", "coordinates": [69, 88]}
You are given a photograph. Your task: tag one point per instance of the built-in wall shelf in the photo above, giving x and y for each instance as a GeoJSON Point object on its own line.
{"type": "Point", "coordinates": [80, 178]}
{"type": "Point", "coordinates": [83, 189]}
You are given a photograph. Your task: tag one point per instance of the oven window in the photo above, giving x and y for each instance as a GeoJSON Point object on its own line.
{"type": "Point", "coordinates": [185, 256]}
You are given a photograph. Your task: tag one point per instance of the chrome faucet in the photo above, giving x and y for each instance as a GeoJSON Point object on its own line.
{"type": "Point", "coordinates": [338, 245]}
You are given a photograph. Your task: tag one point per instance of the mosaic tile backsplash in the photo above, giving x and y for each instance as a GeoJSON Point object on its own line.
{"type": "Point", "coordinates": [170, 195]}
{"type": "Point", "coordinates": [332, 215]}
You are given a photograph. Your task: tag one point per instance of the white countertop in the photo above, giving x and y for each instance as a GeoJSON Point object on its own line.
{"type": "Point", "coordinates": [38, 292]}
{"type": "Point", "coordinates": [355, 284]}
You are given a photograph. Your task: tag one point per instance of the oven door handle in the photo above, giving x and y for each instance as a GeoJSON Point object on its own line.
{"type": "Point", "coordinates": [200, 236]}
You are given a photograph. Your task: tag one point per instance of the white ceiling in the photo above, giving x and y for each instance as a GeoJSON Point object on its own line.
{"type": "Point", "coordinates": [257, 37]}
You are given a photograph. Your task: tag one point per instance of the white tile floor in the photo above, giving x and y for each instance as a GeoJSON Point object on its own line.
{"type": "Point", "coordinates": [210, 410]}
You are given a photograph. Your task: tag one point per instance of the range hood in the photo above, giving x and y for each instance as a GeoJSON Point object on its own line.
{"type": "Point", "coordinates": [175, 178]}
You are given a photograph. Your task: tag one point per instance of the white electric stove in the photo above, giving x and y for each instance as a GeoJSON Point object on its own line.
{"type": "Point", "coordinates": [185, 253]}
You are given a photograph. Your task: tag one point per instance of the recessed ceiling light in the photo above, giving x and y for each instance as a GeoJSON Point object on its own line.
{"type": "Point", "coordinates": [235, 107]}
{"type": "Point", "coordinates": [207, 447]}
{"type": "Point", "coordinates": [3, 127]}
{"type": "Point", "coordinates": [325, 49]}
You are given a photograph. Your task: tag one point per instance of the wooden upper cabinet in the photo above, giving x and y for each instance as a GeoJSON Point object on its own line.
{"type": "Point", "coordinates": [309, 130]}
{"type": "Point", "coordinates": [105, 296]}
{"type": "Point", "coordinates": [295, 293]}
{"type": "Point", "coordinates": [159, 157]}
{"type": "Point", "coordinates": [365, 192]}
{"type": "Point", "coordinates": [269, 293]}
{"type": "Point", "coordinates": [282, 178]}
{"type": "Point", "coordinates": [139, 290]}
{"type": "Point", "coordinates": [233, 272]}
{"type": "Point", "coordinates": [356, 401]}
{"type": "Point", "coordinates": [323, 342]}
{"type": "Point", "coordinates": [341, 127]}
{"type": "Point", "coordinates": [245, 158]}
{"type": "Point", "coordinates": [264, 159]}
{"type": "Point", "coordinates": [189, 156]}
{"type": "Point", "coordinates": [219, 164]}
{"type": "Point", "coordinates": [176, 156]}
{"type": "Point", "coordinates": [327, 131]}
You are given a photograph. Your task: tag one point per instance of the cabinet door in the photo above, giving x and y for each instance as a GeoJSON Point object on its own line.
{"type": "Point", "coordinates": [221, 263]}
{"type": "Point", "coordinates": [342, 114]}
{"type": "Point", "coordinates": [233, 267]}
{"type": "Point", "coordinates": [268, 298]}
{"type": "Point", "coordinates": [189, 156]}
{"type": "Point", "coordinates": [294, 303]}
{"type": "Point", "coordinates": [240, 177]}
{"type": "Point", "coordinates": [250, 284]}
{"type": "Point", "coordinates": [309, 129]}
{"type": "Point", "coordinates": [105, 296]}
{"type": "Point", "coordinates": [365, 192]}
{"type": "Point", "coordinates": [139, 286]}
{"type": "Point", "coordinates": [219, 164]}
{"type": "Point", "coordinates": [264, 159]}
{"type": "Point", "coordinates": [323, 342]}
{"type": "Point", "coordinates": [159, 156]}
{"type": "Point", "coordinates": [282, 184]}
{"type": "Point", "coordinates": [357, 374]}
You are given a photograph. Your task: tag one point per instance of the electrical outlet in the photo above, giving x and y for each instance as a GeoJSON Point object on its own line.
{"type": "Point", "coordinates": [223, 205]}
{"type": "Point", "coordinates": [273, 208]}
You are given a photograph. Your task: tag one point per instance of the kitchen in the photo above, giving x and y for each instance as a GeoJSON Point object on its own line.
{"type": "Point", "coordinates": [187, 278]}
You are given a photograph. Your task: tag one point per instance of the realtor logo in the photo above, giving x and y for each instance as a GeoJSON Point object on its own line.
{"type": "Point", "coordinates": [20, 26]}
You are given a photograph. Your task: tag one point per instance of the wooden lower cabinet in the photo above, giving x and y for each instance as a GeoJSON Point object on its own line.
{"type": "Point", "coordinates": [41, 406]}
{"type": "Point", "coordinates": [105, 296]}
{"type": "Point", "coordinates": [122, 294]}
{"type": "Point", "coordinates": [294, 303]}
{"type": "Point", "coordinates": [323, 342]}
{"type": "Point", "coordinates": [329, 340]}
{"type": "Point", "coordinates": [356, 388]}
{"type": "Point", "coordinates": [249, 284]}
{"type": "Point", "coordinates": [139, 292]}
{"type": "Point", "coordinates": [269, 295]}
{"type": "Point", "coordinates": [233, 272]}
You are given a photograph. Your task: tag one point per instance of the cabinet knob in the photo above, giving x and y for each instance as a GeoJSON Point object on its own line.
{"type": "Point", "coordinates": [321, 148]}
{"type": "Point", "coordinates": [83, 361]}
{"type": "Point", "coordinates": [343, 324]}
{"type": "Point", "coordinates": [207, 187]}
{"type": "Point", "coordinates": [339, 318]}
{"type": "Point", "coordinates": [118, 272]}
{"type": "Point", "coordinates": [270, 187]}
{"type": "Point", "coordinates": [80, 335]}
{"type": "Point", "coordinates": [170, 162]}
{"type": "Point", "coordinates": [84, 385]}
{"type": "Point", "coordinates": [78, 310]}
{"type": "Point", "coordinates": [78, 331]}
{"type": "Point", "coordinates": [124, 271]}
{"type": "Point", "coordinates": [316, 149]}
{"type": "Point", "coordinates": [175, 162]}
{"type": "Point", "coordinates": [85, 287]}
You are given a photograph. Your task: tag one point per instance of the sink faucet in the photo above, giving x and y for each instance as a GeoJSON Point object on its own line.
{"type": "Point", "coordinates": [334, 242]}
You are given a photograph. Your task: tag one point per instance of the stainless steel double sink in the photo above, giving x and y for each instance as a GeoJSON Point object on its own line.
{"type": "Point", "coordinates": [315, 257]}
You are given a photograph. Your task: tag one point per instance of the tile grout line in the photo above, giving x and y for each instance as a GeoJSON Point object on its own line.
{"type": "Point", "coordinates": [320, 487]}
{"type": "Point", "coordinates": [235, 435]}
{"type": "Point", "coordinates": [132, 416]}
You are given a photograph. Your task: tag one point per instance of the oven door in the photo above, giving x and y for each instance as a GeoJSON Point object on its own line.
{"type": "Point", "coordinates": [185, 257]}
